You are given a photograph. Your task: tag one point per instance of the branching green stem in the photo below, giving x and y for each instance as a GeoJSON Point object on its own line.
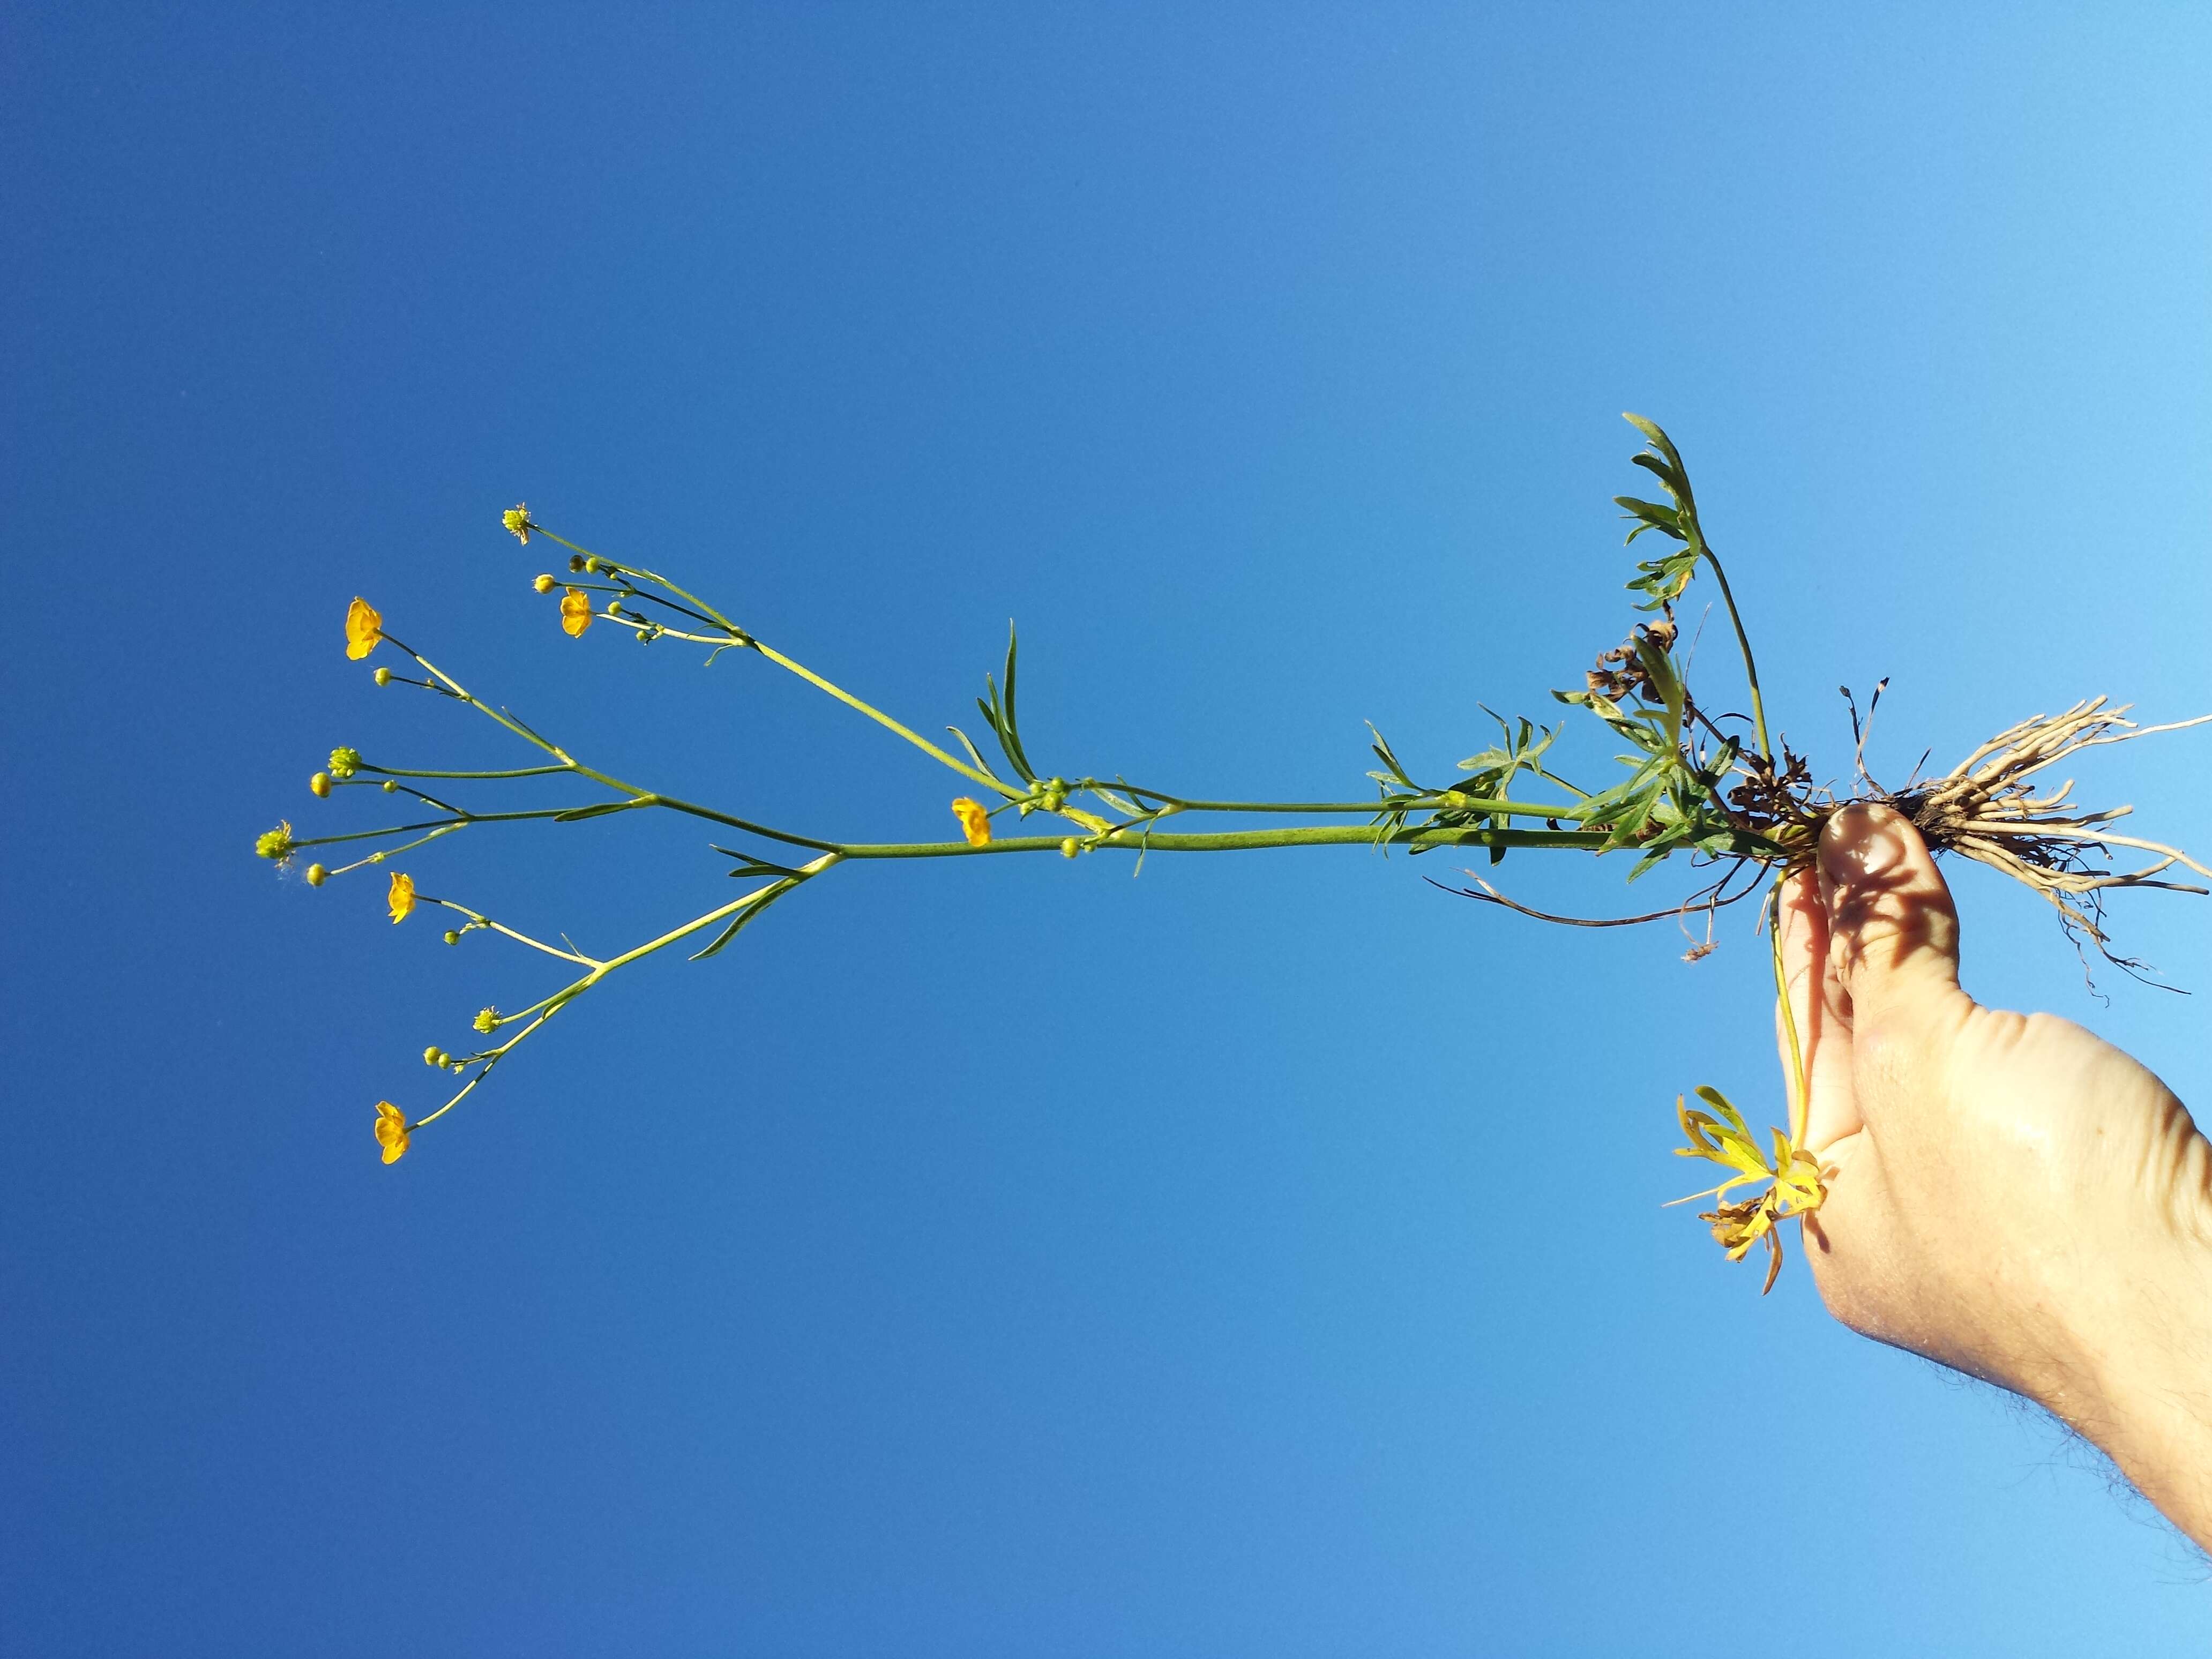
{"type": "Point", "coordinates": [1743, 643]}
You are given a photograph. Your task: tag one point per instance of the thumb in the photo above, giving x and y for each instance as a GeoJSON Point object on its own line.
{"type": "Point", "coordinates": [1892, 930]}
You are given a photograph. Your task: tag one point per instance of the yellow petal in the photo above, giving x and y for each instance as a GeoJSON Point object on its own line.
{"type": "Point", "coordinates": [391, 1131]}
{"type": "Point", "coordinates": [364, 628]}
{"type": "Point", "coordinates": [575, 612]}
{"type": "Point", "coordinates": [975, 822]}
{"type": "Point", "coordinates": [402, 896]}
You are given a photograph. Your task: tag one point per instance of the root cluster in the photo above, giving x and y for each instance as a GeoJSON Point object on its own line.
{"type": "Point", "coordinates": [1988, 808]}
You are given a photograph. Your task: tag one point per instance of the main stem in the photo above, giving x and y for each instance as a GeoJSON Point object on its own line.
{"type": "Point", "coordinates": [1136, 840]}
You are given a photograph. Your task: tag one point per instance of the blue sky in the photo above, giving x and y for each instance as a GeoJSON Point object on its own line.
{"type": "Point", "coordinates": [1001, 1256]}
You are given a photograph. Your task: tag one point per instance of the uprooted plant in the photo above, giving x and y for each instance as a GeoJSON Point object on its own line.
{"type": "Point", "coordinates": [1709, 786]}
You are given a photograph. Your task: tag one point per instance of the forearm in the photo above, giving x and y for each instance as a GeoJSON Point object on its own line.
{"type": "Point", "coordinates": [2147, 1405]}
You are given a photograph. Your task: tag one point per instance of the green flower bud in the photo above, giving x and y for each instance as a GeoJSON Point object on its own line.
{"type": "Point", "coordinates": [545, 583]}
{"type": "Point", "coordinates": [320, 785]}
{"type": "Point", "coordinates": [317, 875]}
{"type": "Point", "coordinates": [275, 844]}
{"type": "Point", "coordinates": [576, 562]}
{"type": "Point", "coordinates": [431, 1056]}
{"type": "Point", "coordinates": [1070, 848]}
{"type": "Point", "coordinates": [344, 763]}
{"type": "Point", "coordinates": [383, 677]}
{"type": "Point", "coordinates": [390, 787]}
{"type": "Point", "coordinates": [453, 935]}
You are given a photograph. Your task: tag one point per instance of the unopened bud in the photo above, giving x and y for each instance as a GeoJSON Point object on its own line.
{"type": "Point", "coordinates": [391, 786]}
{"type": "Point", "coordinates": [545, 583]}
{"type": "Point", "coordinates": [1070, 848]}
{"type": "Point", "coordinates": [383, 677]}
{"type": "Point", "coordinates": [317, 875]}
{"type": "Point", "coordinates": [576, 562]}
{"type": "Point", "coordinates": [431, 1056]}
{"type": "Point", "coordinates": [320, 785]}
{"type": "Point", "coordinates": [453, 935]}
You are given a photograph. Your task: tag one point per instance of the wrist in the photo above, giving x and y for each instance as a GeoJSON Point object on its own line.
{"type": "Point", "coordinates": [2141, 1387]}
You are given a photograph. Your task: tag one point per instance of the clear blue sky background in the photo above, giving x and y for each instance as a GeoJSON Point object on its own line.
{"type": "Point", "coordinates": [1004, 1256]}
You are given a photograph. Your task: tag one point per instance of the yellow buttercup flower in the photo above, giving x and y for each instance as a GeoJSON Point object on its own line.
{"type": "Point", "coordinates": [517, 521]}
{"type": "Point", "coordinates": [402, 896]}
{"type": "Point", "coordinates": [391, 1131]}
{"type": "Point", "coordinates": [364, 628]}
{"type": "Point", "coordinates": [975, 822]}
{"type": "Point", "coordinates": [275, 844]}
{"type": "Point", "coordinates": [575, 612]}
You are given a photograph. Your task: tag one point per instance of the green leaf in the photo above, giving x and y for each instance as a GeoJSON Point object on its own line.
{"type": "Point", "coordinates": [1383, 753]}
{"type": "Point", "coordinates": [1001, 713]}
{"type": "Point", "coordinates": [974, 755]}
{"type": "Point", "coordinates": [1012, 732]}
{"type": "Point", "coordinates": [1659, 470]}
{"type": "Point", "coordinates": [1665, 519]}
{"type": "Point", "coordinates": [1657, 437]}
{"type": "Point", "coordinates": [749, 866]}
{"type": "Point", "coordinates": [1659, 668]}
{"type": "Point", "coordinates": [738, 921]}
{"type": "Point", "coordinates": [578, 814]}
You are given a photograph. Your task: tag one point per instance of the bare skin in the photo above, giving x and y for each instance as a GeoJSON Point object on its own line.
{"type": "Point", "coordinates": [2008, 1194]}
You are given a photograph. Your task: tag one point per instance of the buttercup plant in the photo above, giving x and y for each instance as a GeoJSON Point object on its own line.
{"type": "Point", "coordinates": [1713, 788]}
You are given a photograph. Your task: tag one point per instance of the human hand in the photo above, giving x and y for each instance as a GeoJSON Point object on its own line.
{"type": "Point", "coordinates": [2007, 1193]}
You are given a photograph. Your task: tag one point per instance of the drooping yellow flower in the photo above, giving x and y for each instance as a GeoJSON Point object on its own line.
{"type": "Point", "coordinates": [1793, 1175]}
{"type": "Point", "coordinates": [402, 896]}
{"type": "Point", "coordinates": [975, 822]}
{"type": "Point", "coordinates": [391, 1131]}
{"type": "Point", "coordinates": [575, 612]}
{"type": "Point", "coordinates": [517, 521]}
{"type": "Point", "coordinates": [364, 628]}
